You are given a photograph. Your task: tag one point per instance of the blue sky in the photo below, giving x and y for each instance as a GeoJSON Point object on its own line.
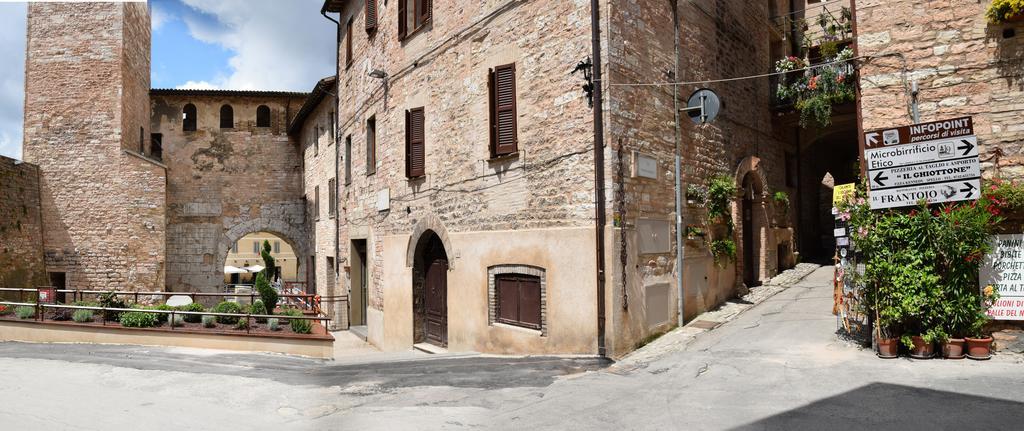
{"type": "Point", "coordinates": [225, 44]}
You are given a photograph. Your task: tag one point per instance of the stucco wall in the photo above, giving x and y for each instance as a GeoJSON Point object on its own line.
{"type": "Point", "coordinates": [225, 183]}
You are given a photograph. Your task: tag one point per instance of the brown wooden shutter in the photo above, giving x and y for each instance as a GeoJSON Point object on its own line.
{"type": "Point", "coordinates": [371, 16]}
{"type": "Point", "coordinates": [508, 299]}
{"type": "Point", "coordinates": [428, 12]}
{"type": "Point", "coordinates": [529, 302]}
{"type": "Point", "coordinates": [504, 133]}
{"type": "Point", "coordinates": [403, 26]}
{"type": "Point", "coordinates": [348, 44]}
{"type": "Point", "coordinates": [492, 126]}
{"type": "Point", "coordinates": [415, 153]}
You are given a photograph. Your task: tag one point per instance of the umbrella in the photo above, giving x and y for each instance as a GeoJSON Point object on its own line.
{"type": "Point", "coordinates": [228, 269]}
{"type": "Point", "coordinates": [254, 268]}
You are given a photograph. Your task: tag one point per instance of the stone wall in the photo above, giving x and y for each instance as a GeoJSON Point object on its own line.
{"type": "Point", "coordinates": [225, 183]}
{"type": "Point", "coordinates": [319, 154]}
{"type": "Point", "coordinates": [85, 78]}
{"type": "Point", "coordinates": [547, 186]}
{"type": "Point", "coordinates": [717, 39]}
{"type": "Point", "coordinates": [963, 66]}
{"type": "Point", "coordinates": [21, 227]}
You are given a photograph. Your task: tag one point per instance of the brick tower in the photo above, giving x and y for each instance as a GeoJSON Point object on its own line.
{"type": "Point", "coordinates": [87, 127]}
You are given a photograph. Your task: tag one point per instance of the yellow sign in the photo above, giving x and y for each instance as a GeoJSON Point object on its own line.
{"type": "Point", "coordinates": [843, 193]}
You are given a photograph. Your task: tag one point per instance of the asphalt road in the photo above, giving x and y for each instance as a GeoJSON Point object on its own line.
{"type": "Point", "coordinates": [777, 366]}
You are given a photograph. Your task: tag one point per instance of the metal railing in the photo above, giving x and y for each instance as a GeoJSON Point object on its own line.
{"type": "Point", "coordinates": [40, 313]}
{"type": "Point", "coordinates": [305, 300]}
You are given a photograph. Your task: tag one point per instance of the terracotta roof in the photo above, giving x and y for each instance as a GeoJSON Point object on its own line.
{"type": "Point", "coordinates": [321, 90]}
{"type": "Point", "coordinates": [223, 93]}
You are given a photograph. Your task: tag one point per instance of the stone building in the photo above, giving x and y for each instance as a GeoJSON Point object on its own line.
{"type": "Point", "coordinates": [21, 225]}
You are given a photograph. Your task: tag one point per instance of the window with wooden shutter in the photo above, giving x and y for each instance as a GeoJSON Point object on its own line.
{"type": "Point", "coordinates": [413, 15]}
{"type": "Point", "coordinates": [415, 151]}
{"type": "Point", "coordinates": [316, 203]}
{"type": "Point", "coordinates": [371, 145]}
{"type": "Point", "coordinates": [504, 129]}
{"type": "Point", "coordinates": [332, 197]}
{"type": "Point", "coordinates": [371, 16]}
{"type": "Point", "coordinates": [518, 299]}
{"type": "Point", "coordinates": [348, 160]}
{"type": "Point", "coordinates": [348, 44]}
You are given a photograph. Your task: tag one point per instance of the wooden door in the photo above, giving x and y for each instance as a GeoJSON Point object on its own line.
{"type": "Point", "coordinates": [748, 237]}
{"type": "Point", "coordinates": [436, 302]}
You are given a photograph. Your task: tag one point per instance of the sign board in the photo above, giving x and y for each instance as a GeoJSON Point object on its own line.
{"type": "Point", "coordinates": [644, 166]}
{"type": "Point", "coordinates": [384, 199]}
{"type": "Point", "coordinates": [936, 161]}
{"type": "Point", "coordinates": [47, 295]}
{"type": "Point", "coordinates": [1003, 268]}
{"type": "Point", "coordinates": [842, 193]}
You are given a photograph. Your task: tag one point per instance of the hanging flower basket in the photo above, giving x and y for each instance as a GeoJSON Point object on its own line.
{"type": "Point", "coordinates": [817, 88]}
{"type": "Point", "coordinates": [1004, 11]}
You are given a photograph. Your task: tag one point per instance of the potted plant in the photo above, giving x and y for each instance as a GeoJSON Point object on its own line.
{"type": "Point", "coordinates": [695, 194]}
{"type": "Point", "coordinates": [979, 344]}
{"type": "Point", "coordinates": [781, 200]}
{"type": "Point", "coordinates": [1002, 11]}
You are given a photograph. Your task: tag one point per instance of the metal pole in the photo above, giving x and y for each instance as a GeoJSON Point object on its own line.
{"type": "Point", "coordinates": [595, 32]}
{"type": "Point", "coordinates": [680, 247]}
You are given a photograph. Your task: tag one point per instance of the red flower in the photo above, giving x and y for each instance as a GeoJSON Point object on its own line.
{"type": "Point", "coordinates": [813, 83]}
{"type": "Point", "coordinates": [913, 213]}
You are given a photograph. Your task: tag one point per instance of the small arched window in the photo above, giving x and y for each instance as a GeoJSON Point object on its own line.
{"type": "Point", "coordinates": [227, 117]}
{"type": "Point", "coordinates": [263, 116]}
{"type": "Point", "coordinates": [188, 118]}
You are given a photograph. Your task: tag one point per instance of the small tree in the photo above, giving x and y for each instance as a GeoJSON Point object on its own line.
{"type": "Point", "coordinates": [267, 293]}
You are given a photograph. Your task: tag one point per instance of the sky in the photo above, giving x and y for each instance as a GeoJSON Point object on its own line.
{"type": "Point", "coordinates": [220, 44]}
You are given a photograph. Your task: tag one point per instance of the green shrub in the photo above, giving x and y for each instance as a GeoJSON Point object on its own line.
{"type": "Point", "coordinates": [268, 296]}
{"type": "Point", "coordinates": [242, 324]}
{"type": "Point", "coordinates": [258, 308]}
{"type": "Point", "coordinates": [227, 307]}
{"type": "Point", "coordinates": [301, 326]}
{"type": "Point", "coordinates": [723, 250]}
{"type": "Point", "coordinates": [721, 191]}
{"type": "Point", "coordinates": [179, 320]}
{"type": "Point", "coordinates": [139, 319]}
{"type": "Point", "coordinates": [209, 321]}
{"type": "Point", "coordinates": [110, 300]}
{"type": "Point", "coordinates": [82, 316]}
{"type": "Point", "coordinates": [273, 324]}
{"type": "Point", "coordinates": [161, 316]}
{"type": "Point", "coordinates": [25, 312]}
{"type": "Point", "coordinates": [193, 307]}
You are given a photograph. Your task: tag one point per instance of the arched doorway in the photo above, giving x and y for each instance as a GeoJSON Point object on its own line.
{"type": "Point", "coordinates": [430, 291]}
{"type": "Point", "coordinates": [244, 260]}
{"type": "Point", "coordinates": [751, 228]}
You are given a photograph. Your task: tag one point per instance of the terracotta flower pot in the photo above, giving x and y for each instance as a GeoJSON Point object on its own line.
{"type": "Point", "coordinates": [888, 348]}
{"type": "Point", "coordinates": [953, 348]}
{"type": "Point", "coordinates": [922, 349]}
{"type": "Point", "coordinates": [979, 348]}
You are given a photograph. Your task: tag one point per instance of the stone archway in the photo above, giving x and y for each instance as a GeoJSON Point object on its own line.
{"type": "Point", "coordinates": [428, 225]}
{"type": "Point", "coordinates": [751, 216]}
{"type": "Point", "coordinates": [288, 233]}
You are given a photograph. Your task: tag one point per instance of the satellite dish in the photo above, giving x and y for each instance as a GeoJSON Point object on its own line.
{"type": "Point", "coordinates": [703, 106]}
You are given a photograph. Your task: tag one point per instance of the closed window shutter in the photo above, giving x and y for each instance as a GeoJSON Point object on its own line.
{"type": "Point", "coordinates": [416, 143]}
{"type": "Point", "coordinates": [371, 16]}
{"type": "Point", "coordinates": [403, 26]}
{"type": "Point", "coordinates": [428, 12]}
{"type": "Point", "coordinates": [504, 133]}
{"type": "Point", "coordinates": [529, 302]}
{"type": "Point", "coordinates": [508, 299]}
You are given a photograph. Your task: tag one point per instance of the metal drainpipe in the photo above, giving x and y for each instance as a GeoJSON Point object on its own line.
{"type": "Point", "coordinates": [334, 136]}
{"type": "Point", "coordinates": [595, 32]}
{"type": "Point", "coordinates": [680, 247]}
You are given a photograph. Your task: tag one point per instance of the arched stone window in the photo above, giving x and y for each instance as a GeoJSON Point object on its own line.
{"type": "Point", "coordinates": [227, 117]}
{"type": "Point", "coordinates": [188, 118]}
{"type": "Point", "coordinates": [263, 116]}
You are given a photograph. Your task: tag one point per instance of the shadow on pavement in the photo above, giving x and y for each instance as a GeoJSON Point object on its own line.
{"type": "Point", "coordinates": [883, 406]}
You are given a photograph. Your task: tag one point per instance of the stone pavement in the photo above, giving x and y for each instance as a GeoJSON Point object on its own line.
{"type": "Point", "coordinates": [777, 365]}
{"type": "Point", "coordinates": [675, 339]}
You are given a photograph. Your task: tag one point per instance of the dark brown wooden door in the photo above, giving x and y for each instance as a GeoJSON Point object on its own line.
{"type": "Point", "coordinates": [436, 296]}
{"type": "Point", "coordinates": [748, 236]}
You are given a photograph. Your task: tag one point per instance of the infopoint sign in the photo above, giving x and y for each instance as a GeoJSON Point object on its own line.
{"type": "Point", "coordinates": [936, 162]}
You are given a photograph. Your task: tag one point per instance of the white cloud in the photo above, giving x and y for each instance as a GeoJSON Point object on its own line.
{"type": "Point", "coordinates": [12, 77]}
{"type": "Point", "coordinates": [158, 16]}
{"type": "Point", "coordinates": [276, 45]}
{"type": "Point", "coordinates": [198, 85]}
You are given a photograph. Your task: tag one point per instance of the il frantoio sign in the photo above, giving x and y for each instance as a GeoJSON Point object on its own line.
{"type": "Point", "coordinates": [1003, 268]}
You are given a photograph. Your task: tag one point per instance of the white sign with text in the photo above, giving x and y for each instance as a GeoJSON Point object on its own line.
{"type": "Point", "coordinates": [1003, 268]}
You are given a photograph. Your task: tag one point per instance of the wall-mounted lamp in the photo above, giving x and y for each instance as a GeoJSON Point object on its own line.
{"type": "Point", "coordinates": [379, 74]}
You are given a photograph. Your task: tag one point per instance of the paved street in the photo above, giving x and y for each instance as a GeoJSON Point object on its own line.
{"type": "Point", "coordinates": [779, 365]}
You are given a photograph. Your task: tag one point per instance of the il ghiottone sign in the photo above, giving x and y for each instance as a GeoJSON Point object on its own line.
{"type": "Point", "coordinates": [936, 161]}
{"type": "Point", "coordinates": [1003, 268]}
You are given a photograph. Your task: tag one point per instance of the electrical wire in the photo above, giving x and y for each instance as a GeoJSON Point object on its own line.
{"type": "Point", "coordinates": [741, 78]}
